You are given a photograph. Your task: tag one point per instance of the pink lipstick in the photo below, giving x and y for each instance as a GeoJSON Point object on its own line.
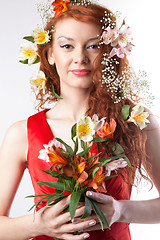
{"type": "Point", "coordinates": [81, 72]}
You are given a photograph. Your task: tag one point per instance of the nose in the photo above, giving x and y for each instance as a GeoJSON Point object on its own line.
{"type": "Point", "coordinates": [80, 56]}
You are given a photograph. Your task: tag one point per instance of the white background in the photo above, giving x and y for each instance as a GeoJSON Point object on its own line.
{"type": "Point", "coordinates": [17, 19]}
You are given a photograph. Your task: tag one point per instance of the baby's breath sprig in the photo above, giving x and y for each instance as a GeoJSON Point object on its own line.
{"type": "Point", "coordinates": [45, 9]}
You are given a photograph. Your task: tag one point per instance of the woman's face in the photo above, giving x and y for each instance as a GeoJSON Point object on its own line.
{"type": "Point", "coordinates": [74, 49]}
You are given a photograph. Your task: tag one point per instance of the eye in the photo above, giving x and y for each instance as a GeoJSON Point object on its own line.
{"type": "Point", "coordinates": [66, 46]}
{"type": "Point", "coordinates": [94, 46]}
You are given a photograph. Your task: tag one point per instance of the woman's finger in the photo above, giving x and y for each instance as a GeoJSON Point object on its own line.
{"type": "Point", "coordinates": [75, 237]}
{"type": "Point", "coordinates": [99, 197]}
{"type": "Point", "coordinates": [64, 218]}
{"type": "Point", "coordinates": [61, 205]}
{"type": "Point", "coordinates": [74, 227]}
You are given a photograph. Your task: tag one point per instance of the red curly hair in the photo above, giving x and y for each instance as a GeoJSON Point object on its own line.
{"type": "Point", "coordinates": [100, 101]}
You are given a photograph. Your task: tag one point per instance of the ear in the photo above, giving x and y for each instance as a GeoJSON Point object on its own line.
{"type": "Point", "coordinates": [50, 56]}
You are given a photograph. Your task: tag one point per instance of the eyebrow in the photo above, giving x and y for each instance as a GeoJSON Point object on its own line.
{"type": "Point", "coordinates": [71, 39]}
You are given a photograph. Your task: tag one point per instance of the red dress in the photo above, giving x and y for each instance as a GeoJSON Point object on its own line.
{"type": "Point", "coordinates": [39, 133]}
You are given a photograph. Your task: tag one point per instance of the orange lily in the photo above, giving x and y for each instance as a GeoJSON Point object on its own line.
{"type": "Point", "coordinates": [98, 181]}
{"type": "Point", "coordinates": [107, 130]}
{"type": "Point", "coordinates": [56, 159]}
{"type": "Point", "coordinates": [61, 6]}
{"type": "Point", "coordinates": [91, 163]}
{"type": "Point", "coordinates": [80, 174]}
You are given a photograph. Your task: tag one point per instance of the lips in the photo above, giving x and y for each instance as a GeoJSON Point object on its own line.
{"type": "Point", "coordinates": [81, 72]}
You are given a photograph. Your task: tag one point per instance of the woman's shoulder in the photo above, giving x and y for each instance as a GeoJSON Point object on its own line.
{"type": "Point", "coordinates": [16, 139]}
{"type": "Point", "coordinates": [18, 129]}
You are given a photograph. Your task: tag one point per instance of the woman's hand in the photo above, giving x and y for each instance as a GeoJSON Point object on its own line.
{"type": "Point", "coordinates": [109, 206]}
{"type": "Point", "coordinates": [52, 222]}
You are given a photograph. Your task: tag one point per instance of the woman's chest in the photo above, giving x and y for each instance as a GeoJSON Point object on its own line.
{"type": "Point", "coordinates": [62, 129]}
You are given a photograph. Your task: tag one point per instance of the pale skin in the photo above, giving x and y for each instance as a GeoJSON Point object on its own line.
{"type": "Point", "coordinates": [70, 50]}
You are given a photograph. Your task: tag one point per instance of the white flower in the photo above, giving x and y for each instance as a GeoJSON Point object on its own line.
{"type": "Point", "coordinates": [86, 127]}
{"type": "Point", "coordinates": [124, 37]}
{"type": "Point", "coordinates": [39, 80]}
{"type": "Point", "coordinates": [40, 36]}
{"type": "Point", "coordinates": [109, 35]}
{"type": "Point", "coordinates": [115, 165]}
{"type": "Point", "coordinates": [28, 52]}
{"type": "Point", "coordinates": [139, 117]}
{"type": "Point", "coordinates": [43, 153]}
{"type": "Point", "coordinates": [98, 123]}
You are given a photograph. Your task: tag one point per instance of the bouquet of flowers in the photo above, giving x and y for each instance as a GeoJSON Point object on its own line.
{"type": "Point", "coordinates": [78, 172]}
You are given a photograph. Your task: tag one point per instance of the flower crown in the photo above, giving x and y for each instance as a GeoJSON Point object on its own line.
{"type": "Point", "coordinates": [126, 85]}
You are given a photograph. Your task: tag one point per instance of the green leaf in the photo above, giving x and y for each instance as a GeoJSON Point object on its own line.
{"type": "Point", "coordinates": [56, 185]}
{"type": "Point", "coordinates": [109, 177]}
{"type": "Point", "coordinates": [94, 171]}
{"type": "Point", "coordinates": [83, 145]}
{"type": "Point", "coordinates": [127, 160]}
{"type": "Point", "coordinates": [88, 208]}
{"type": "Point", "coordinates": [74, 131]}
{"type": "Point", "coordinates": [90, 158]}
{"type": "Point", "coordinates": [116, 148]}
{"type": "Point", "coordinates": [41, 195]}
{"type": "Point", "coordinates": [75, 197]}
{"type": "Point", "coordinates": [37, 203]}
{"type": "Point", "coordinates": [99, 212]}
{"type": "Point", "coordinates": [59, 199]}
{"type": "Point", "coordinates": [56, 174]}
{"type": "Point", "coordinates": [50, 200]}
{"type": "Point", "coordinates": [99, 139]}
{"type": "Point", "coordinates": [68, 148]}
{"type": "Point", "coordinates": [125, 112]}
{"type": "Point", "coordinates": [24, 61]}
{"type": "Point", "coordinates": [76, 146]}
{"type": "Point", "coordinates": [83, 153]}
{"type": "Point", "coordinates": [29, 38]}
{"type": "Point", "coordinates": [55, 94]}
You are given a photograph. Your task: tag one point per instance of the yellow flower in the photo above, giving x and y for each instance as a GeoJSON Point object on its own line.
{"type": "Point", "coordinates": [40, 36]}
{"type": "Point", "coordinates": [28, 52]}
{"type": "Point", "coordinates": [39, 80]}
{"type": "Point", "coordinates": [139, 117]}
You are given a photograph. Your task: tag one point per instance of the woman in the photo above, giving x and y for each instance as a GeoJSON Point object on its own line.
{"type": "Point", "coordinates": [72, 62]}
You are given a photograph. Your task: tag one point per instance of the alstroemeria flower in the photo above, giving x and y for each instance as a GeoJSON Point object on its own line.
{"type": "Point", "coordinates": [91, 164]}
{"type": "Point", "coordinates": [60, 6]}
{"type": "Point", "coordinates": [86, 127]}
{"type": "Point", "coordinates": [98, 181]}
{"type": "Point", "coordinates": [120, 51]}
{"type": "Point", "coordinates": [124, 37]}
{"type": "Point", "coordinates": [98, 123]}
{"type": "Point", "coordinates": [39, 80]}
{"type": "Point", "coordinates": [115, 165]}
{"type": "Point", "coordinates": [28, 52]}
{"type": "Point", "coordinates": [40, 36]}
{"type": "Point", "coordinates": [79, 165]}
{"type": "Point", "coordinates": [53, 144]}
{"type": "Point", "coordinates": [109, 35]}
{"type": "Point", "coordinates": [139, 117]}
{"type": "Point", "coordinates": [107, 130]}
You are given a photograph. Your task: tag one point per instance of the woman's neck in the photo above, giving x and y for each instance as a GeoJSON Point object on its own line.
{"type": "Point", "coordinates": [74, 103]}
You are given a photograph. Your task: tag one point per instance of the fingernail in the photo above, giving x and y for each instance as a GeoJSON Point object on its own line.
{"type": "Point", "coordinates": [86, 236]}
{"type": "Point", "coordinates": [89, 194]}
{"type": "Point", "coordinates": [92, 223]}
{"type": "Point", "coordinates": [75, 220]}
